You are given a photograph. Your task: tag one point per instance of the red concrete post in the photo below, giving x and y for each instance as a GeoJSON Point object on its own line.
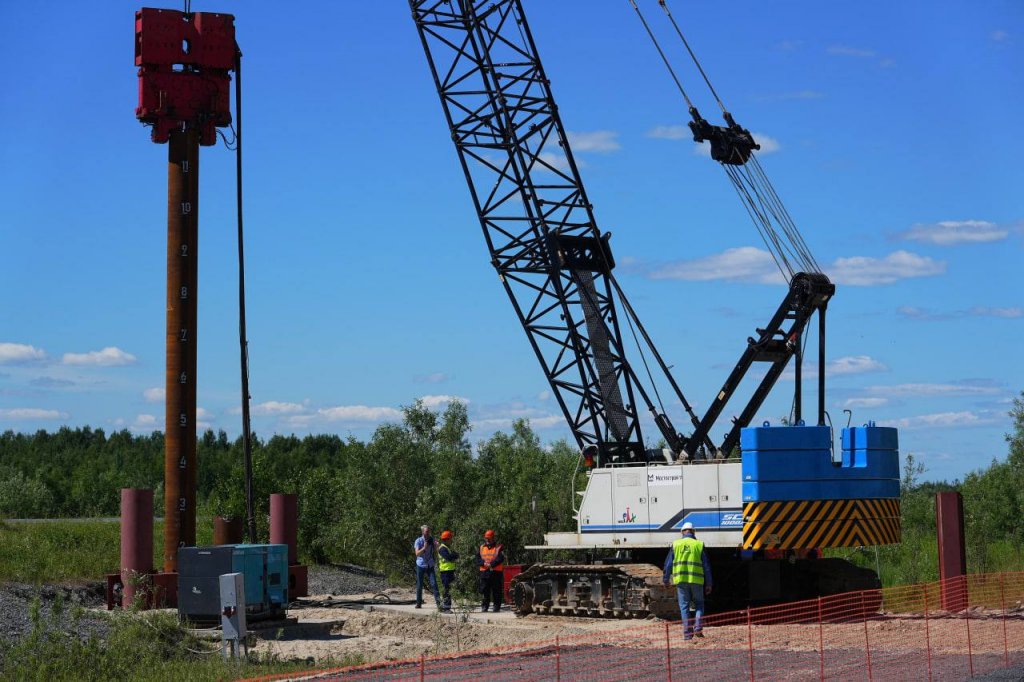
{"type": "Point", "coordinates": [136, 541]}
{"type": "Point", "coordinates": [227, 530]}
{"type": "Point", "coordinates": [949, 525]}
{"type": "Point", "coordinates": [284, 523]}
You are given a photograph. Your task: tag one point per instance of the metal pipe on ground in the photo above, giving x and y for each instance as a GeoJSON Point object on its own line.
{"type": "Point", "coordinates": [949, 525]}
{"type": "Point", "coordinates": [136, 542]}
{"type": "Point", "coordinates": [227, 530]}
{"type": "Point", "coordinates": [284, 523]}
{"type": "Point", "coordinates": [181, 337]}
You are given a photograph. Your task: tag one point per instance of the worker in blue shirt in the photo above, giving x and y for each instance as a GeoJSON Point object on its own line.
{"type": "Point", "coordinates": [687, 567]}
{"type": "Point", "coordinates": [426, 558]}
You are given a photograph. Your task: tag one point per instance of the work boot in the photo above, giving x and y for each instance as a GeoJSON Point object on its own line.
{"type": "Point", "coordinates": [419, 605]}
{"type": "Point", "coordinates": [699, 633]}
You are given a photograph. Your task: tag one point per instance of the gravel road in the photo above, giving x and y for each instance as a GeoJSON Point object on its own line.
{"type": "Point", "coordinates": [16, 599]}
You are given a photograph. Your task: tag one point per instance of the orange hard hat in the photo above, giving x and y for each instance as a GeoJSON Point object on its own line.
{"type": "Point", "coordinates": [489, 535]}
{"type": "Point", "coordinates": [446, 535]}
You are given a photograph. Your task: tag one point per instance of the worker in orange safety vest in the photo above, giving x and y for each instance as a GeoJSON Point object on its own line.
{"type": "Point", "coordinates": [491, 559]}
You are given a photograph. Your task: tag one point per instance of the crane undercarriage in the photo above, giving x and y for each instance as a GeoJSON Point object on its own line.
{"type": "Point", "coordinates": [635, 590]}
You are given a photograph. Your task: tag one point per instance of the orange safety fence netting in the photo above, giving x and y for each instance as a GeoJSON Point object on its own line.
{"type": "Point", "coordinates": [954, 629]}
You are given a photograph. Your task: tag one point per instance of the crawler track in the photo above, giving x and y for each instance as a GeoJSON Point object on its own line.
{"type": "Point", "coordinates": [594, 590]}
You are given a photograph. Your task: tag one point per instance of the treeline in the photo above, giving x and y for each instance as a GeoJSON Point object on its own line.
{"type": "Point", "coordinates": [363, 502]}
{"type": "Point", "coordinates": [359, 502]}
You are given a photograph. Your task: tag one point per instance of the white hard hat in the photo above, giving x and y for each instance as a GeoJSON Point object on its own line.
{"type": "Point", "coordinates": [687, 526]}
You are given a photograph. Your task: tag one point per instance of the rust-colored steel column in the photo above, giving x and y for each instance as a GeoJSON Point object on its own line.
{"type": "Point", "coordinates": [949, 524]}
{"type": "Point", "coordinates": [227, 530]}
{"type": "Point", "coordinates": [136, 541]}
{"type": "Point", "coordinates": [284, 523]}
{"type": "Point", "coordinates": [180, 378]}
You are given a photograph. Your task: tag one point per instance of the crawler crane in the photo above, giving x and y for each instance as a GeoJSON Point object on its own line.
{"type": "Point", "coordinates": [761, 490]}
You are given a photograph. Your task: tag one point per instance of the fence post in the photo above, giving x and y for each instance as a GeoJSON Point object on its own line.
{"type": "Point", "coordinates": [1002, 604]}
{"type": "Point", "coordinates": [967, 619]}
{"type": "Point", "coordinates": [750, 645]}
{"type": "Point", "coordinates": [821, 640]}
{"type": "Point", "coordinates": [927, 635]}
{"type": "Point", "coordinates": [867, 641]}
{"type": "Point", "coordinates": [558, 660]}
{"type": "Point", "coordinates": [668, 652]}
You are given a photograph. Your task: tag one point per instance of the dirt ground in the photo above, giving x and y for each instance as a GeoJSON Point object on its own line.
{"type": "Point", "coordinates": [381, 632]}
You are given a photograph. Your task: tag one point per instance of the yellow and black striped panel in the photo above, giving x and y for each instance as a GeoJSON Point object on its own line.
{"type": "Point", "coordinates": [803, 524]}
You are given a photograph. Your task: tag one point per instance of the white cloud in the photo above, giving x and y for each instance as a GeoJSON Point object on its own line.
{"type": "Point", "coordinates": [998, 36]}
{"type": "Point", "coordinates": [541, 422]}
{"type": "Point", "coordinates": [145, 422]}
{"type": "Point", "coordinates": [273, 408]}
{"type": "Point", "coordinates": [435, 401]}
{"type": "Point", "coordinates": [671, 133]}
{"type": "Point", "coordinates": [544, 395]}
{"type": "Point", "coordinates": [359, 413]}
{"type": "Point", "coordinates": [934, 390]}
{"type": "Point", "coordinates": [751, 264]}
{"type": "Point", "coordinates": [915, 313]}
{"type": "Point", "coordinates": [154, 395]}
{"type": "Point", "coordinates": [31, 413]}
{"type": "Point", "coordinates": [951, 232]}
{"type": "Point", "coordinates": [108, 357]}
{"type": "Point", "coordinates": [11, 353]}
{"type": "Point", "coordinates": [742, 264]}
{"type": "Point", "coordinates": [203, 419]}
{"type": "Point", "coordinates": [865, 402]}
{"type": "Point", "coordinates": [557, 161]}
{"type": "Point", "coordinates": [868, 271]}
{"type": "Point", "coordinates": [768, 144]}
{"type": "Point", "coordinates": [940, 420]}
{"type": "Point", "coordinates": [984, 311]}
{"type": "Point", "coordinates": [434, 378]}
{"type": "Point", "coordinates": [854, 364]}
{"type": "Point", "coordinates": [602, 141]}
{"type": "Point", "coordinates": [847, 51]}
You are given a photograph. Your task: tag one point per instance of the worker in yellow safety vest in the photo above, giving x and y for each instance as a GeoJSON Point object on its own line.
{"type": "Point", "coordinates": [446, 558]}
{"type": "Point", "coordinates": [688, 568]}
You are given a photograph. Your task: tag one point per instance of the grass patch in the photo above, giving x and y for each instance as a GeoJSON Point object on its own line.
{"type": "Point", "coordinates": [63, 550]}
{"type": "Point", "coordinates": [140, 646]}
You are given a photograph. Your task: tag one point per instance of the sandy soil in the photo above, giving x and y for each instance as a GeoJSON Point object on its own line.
{"type": "Point", "coordinates": [399, 632]}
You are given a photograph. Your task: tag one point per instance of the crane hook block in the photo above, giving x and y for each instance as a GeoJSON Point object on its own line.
{"type": "Point", "coordinates": [184, 64]}
{"type": "Point", "coordinates": [731, 144]}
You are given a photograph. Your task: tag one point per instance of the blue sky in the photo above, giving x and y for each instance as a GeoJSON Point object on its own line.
{"type": "Point", "coordinates": [889, 130]}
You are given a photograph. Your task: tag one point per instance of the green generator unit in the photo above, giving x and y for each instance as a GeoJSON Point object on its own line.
{"type": "Point", "coordinates": [264, 568]}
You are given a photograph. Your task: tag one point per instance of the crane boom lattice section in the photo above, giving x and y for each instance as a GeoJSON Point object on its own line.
{"type": "Point", "coordinates": [539, 226]}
